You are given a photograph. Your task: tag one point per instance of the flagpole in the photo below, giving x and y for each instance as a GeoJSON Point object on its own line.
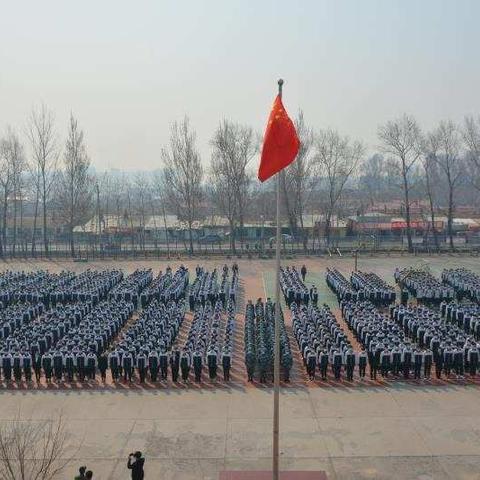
{"type": "Point", "coordinates": [276, 364]}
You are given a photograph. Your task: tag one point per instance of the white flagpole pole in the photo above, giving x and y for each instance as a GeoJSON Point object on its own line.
{"type": "Point", "coordinates": [276, 365]}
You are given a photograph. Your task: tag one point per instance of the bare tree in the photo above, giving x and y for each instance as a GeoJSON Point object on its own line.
{"type": "Point", "coordinates": [12, 165]}
{"type": "Point", "coordinates": [74, 192]}
{"type": "Point", "coordinates": [222, 195]}
{"type": "Point", "coordinates": [446, 154]}
{"type": "Point", "coordinates": [233, 148]}
{"type": "Point", "coordinates": [142, 194]}
{"type": "Point", "coordinates": [33, 450]}
{"type": "Point", "coordinates": [43, 143]}
{"type": "Point", "coordinates": [338, 158]}
{"type": "Point", "coordinates": [430, 179]}
{"type": "Point", "coordinates": [18, 165]}
{"type": "Point", "coordinates": [373, 182]}
{"type": "Point", "coordinates": [402, 140]}
{"type": "Point", "coordinates": [183, 174]}
{"type": "Point", "coordinates": [471, 137]}
{"type": "Point", "coordinates": [6, 185]}
{"type": "Point", "coordinates": [158, 184]}
{"type": "Point", "coordinates": [129, 210]}
{"type": "Point", "coordinates": [117, 193]}
{"type": "Point", "coordinates": [300, 179]}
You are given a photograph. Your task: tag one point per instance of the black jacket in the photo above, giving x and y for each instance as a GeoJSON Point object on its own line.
{"type": "Point", "coordinates": [136, 468]}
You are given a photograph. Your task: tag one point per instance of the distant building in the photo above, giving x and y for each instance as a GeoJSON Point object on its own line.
{"type": "Point", "coordinates": [373, 222]}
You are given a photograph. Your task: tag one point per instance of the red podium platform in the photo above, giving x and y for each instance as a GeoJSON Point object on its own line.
{"type": "Point", "coordinates": [266, 475]}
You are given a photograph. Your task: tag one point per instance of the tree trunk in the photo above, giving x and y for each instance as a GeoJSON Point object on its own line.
{"type": "Point", "coordinates": [327, 227]}
{"type": "Point", "coordinates": [71, 188]}
{"type": "Point", "coordinates": [304, 234]}
{"type": "Point", "coordinates": [190, 237]}
{"type": "Point", "coordinates": [45, 238]}
{"type": "Point", "coordinates": [21, 225]}
{"type": "Point", "coordinates": [432, 217]}
{"type": "Point", "coordinates": [450, 217]}
{"type": "Point", "coordinates": [130, 216]}
{"type": "Point", "coordinates": [407, 214]}
{"type": "Point", "coordinates": [35, 217]}
{"type": "Point", "coordinates": [2, 246]}
{"type": "Point", "coordinates": [305, 240]}
{"type": "Point", "coordinates": [241, 222]}
{"type": "Point", "coordinates": [14, 240]}
{"type": "Point", "coordinates": [72, 243]}
{"type": "Point", "coordinates": [292, 221]}
{"type": "Point", "coordinates": [143, 226]}
{"type": "Point", "coordinates": [166, 231]}
{"type": "Point", "coordinates": [4, 221]}
{"type": "Point", "coordinates": [432, 209]}
{"type": "Point", "coordinates": [232, 236]}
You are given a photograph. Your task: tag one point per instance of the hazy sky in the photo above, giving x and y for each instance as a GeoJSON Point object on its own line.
{"type": "Point", "coordinates": [128, 69]}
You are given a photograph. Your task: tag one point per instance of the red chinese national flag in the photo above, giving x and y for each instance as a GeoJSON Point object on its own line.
{"type": "Point", "coordinates": [280, 144]}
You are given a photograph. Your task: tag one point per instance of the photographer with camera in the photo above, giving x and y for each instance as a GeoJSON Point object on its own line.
{"type": "Point", "coordinates": [135, 463]}
{"type": "Point", "coordinates": [84, 474]}
{"type": "Point", "coordinates": [81, 473]}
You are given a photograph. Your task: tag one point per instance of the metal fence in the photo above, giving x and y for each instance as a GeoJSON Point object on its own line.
{"type": "Point", "coordinates": [103, 248]}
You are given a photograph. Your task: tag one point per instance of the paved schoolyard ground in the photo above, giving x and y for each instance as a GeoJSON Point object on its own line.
{"type": "Point", "coordinates": [398, 431]}
{"type": "Point", "coordinates": [388, 433]}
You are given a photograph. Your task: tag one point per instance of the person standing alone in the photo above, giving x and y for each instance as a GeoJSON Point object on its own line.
{"type": "Point", "coordinates": [303, 271]}
{"type": "Point", "coordinates": [135, 463]}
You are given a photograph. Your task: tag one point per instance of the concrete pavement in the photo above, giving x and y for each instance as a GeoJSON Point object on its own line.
{"type": "Point", "coordinates": [396, 432]}
{"type": "Point", "coordinates": [399, 431]}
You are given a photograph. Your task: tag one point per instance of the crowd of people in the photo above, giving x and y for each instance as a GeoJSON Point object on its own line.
{"type": "Point", "coordinates": [66, 341]}
{"type": "Point", "coordinates": [452, 348]}
{"type": "Point", "coordinates": [33, 287]}
{"type": "Point", "coordinates": [204, 288]}
{"type": "Point", "coordinates": [294, 288]}
{"type": "Point", "coordinates": [464, 282]}
{"type": "Point", "coordinates": [88, 286]}
{"type": "Point", "coordinates": [372, 288]}
{"type": "Point", "coordinates": [75, 325]}
{"type": "Point", "coordinates": [410, 340]}
{"type": "Point", "coordinates": [208, 343]}
{"type": "Point", "coordinates": [166, 287]}
{"type": "Point", "coordinates": [259, 341]}
{"type": "Point", "coordinates": [322, 341]}
{"type": "Point", "coordinates": [146, 346]}
{"type": "Point", "coordinates": [210, 339]}
{"type": "Point", "coordinates": [68, 326]}
{"type": "Point", "coordinates": [340, 286]}
{"type": "Point", "coordinates": [465, 315]}
{"type": "Point", "coordinates": [42, 337]}
{"type": "Point", "coordinates": [389, 350]}
{"type": "Point", "coordinates": [424, 286]}
{"type": "Point", "coordinates": [228, 285]}
{"type": "Point", "coordinates": [129, 288]}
